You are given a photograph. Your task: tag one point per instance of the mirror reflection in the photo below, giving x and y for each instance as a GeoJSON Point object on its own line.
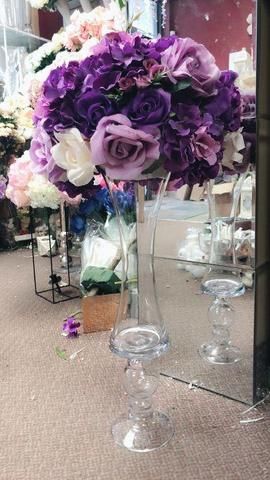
{"type": "Point", "coordinates": [208, 293]}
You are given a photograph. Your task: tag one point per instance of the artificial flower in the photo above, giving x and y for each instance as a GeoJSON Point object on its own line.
{"type": "Point", "coordinates": [142, 105]}
{"type": "Point", "coordinates": [19, 176]}
{"type": "Point", "coordinates": [42, 193]}
{"type": "Point", "coordinates": [186, 59]}
{"type": "Point", "coordinates": [70, 327]}
{"type": "Point", "coordinates": [124, 152]}
{"type": "Point", "coordinates": [73, 155]}
{"type": "Point", "coordinates": [40, 151]}
{"type": "Point", "coordinates": [151, 106]}
{"type": "Point", "coordinates": [233, 145]}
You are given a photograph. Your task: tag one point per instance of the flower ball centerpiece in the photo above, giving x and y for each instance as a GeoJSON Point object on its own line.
{"type": "Point", "coordinates": [136, 110]}
{"type": "Point", "coordinates": [136, 106]}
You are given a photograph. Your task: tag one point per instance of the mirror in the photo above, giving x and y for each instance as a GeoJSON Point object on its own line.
{"type": "Point", "coordinates": [206, 235]}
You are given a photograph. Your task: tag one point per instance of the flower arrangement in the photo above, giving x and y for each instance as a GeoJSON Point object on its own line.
{"type": "Point", "coordinates": [26, 188]}
{"type": "Point", "coordinates": [136, 107]}
{"type": "Point", "coordinates": [15, 133]}
{"type": "Point", "coordinates": [73, 43]}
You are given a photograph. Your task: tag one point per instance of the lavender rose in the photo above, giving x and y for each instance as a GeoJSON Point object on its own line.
{"type": "Point", "coordinates": [205, 147]}
{"type": "Point", "coordinates": [121, 150]}
{"type": "Point", "coordinates": [150, 107]}
{"type": "Point", "coordinates": [186, 59]}
{"type": "Point", "coordinates": [40, 152]}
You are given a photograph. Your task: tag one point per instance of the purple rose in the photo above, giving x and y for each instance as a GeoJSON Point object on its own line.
{"type": "Point", "coordinates": [61, 80]}
{"type": "Point", "coordinates": [149, 107]}
{"type": "Point", "coordinates": [91, 107]}
{"type": "Point", "coordinates": [121, 150]}
{"type": "Point", "coordinates": [186, 59]}
{"type": "Point", "coordinates": [205, 147]}
{"type": "Point", "coordinates": [40, 151]}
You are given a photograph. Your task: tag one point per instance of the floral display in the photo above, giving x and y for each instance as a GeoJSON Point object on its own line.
{"type": "Point", "coordinates": [15, 132]}
{"type": "Point", "coordinates": [26, 188]}
{"type": "Point", "coordinates": [73, 43]}
{"type": "Point", "coordinates": [18, 108]}
{"type": "Point", "coordinates": [137, 106]}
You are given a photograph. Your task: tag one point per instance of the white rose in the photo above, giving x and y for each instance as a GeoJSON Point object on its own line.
{"type": "Point", "coordinates": [233, 144]}
{"type": "Point", "coordinates": [73, 154]}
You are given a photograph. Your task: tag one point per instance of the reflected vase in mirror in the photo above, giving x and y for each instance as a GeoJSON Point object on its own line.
{"type": "Point", "coordinates": [222, 282]}
{"type": "Point", "coordinates": [139, 334]}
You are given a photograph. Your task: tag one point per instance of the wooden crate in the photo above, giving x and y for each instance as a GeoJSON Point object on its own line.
{"type": "Point", "coordinates": [99, 312]}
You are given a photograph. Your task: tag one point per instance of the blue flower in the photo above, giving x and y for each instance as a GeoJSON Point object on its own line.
{"type": "Point", "coordinates": [77, 224]}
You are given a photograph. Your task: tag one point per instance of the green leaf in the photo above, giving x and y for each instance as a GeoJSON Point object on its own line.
{"type": "Point", "coordinates": [181, 85]}
{"type": "Point", "coordinates": [61, 353]}
{"type": "Point", "coordinates": [121, 3]}
{"type": "Point", "coordinates": [133, 19]}
{"type": "Point", "coordinates": [102, 278]}
{"type": "Point", "coordinates": [155, 166]}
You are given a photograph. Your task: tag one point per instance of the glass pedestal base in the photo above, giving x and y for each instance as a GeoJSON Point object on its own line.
{"type": "Point", "coordinates": [141, 342]}
{"type": "Point", "coordinates": [143, 435]}
{"type": "Point", "coordinates": [220, 354]}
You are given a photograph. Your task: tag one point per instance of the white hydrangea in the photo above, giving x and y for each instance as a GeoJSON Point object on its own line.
{"type": "Point", "coordinates": [38, 3]}
{"type": "Point", "coordinates": [34, 59]}
{"type": "Point", "coordinates": [17, 108]}
{"type": "Point", "coordinates": [42, 193]}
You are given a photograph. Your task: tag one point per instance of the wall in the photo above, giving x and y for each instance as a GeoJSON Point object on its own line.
{"type": "Point", "coordinates": [219, 24]}
{"type": "Point", "coordinates": [49, 23]}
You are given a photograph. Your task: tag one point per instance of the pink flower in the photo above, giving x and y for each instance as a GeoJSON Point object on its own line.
{"type": "Point", "coordinates": [126, 83]}
{"type": "Point", "coordinates": [71, 201]}
{"type": "Point", "coordinates": [121, 150]}
{"type": "Point", "coordinates": [19, 176]}
{"type": "Point", "coordinates": [205, 147]}
{"type": "Point", "coordinates": [186, 59]}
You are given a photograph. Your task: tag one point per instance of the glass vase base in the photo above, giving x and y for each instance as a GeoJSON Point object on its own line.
{"type": "Point", "coordinates": [144, 435]}
{"type": "Point", "coordinates": [141, 342]}
{"type": "Point", "coordinates": [223, 287]}
{"type": "Point", "coordinates": [220, 354]}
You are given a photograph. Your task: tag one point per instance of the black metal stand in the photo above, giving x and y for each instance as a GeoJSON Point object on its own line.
{"type": "Point", "coordinates": [58, 293]}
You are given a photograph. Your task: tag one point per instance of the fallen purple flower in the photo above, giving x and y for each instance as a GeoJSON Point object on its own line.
{"type": "Point", "coordinates": [70, 327]}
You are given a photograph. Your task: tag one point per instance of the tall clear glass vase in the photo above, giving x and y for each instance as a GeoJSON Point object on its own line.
{"type": "Point", "coordinates": [139, 333]}
{"type": "Point", "coordinates": [222, 280]}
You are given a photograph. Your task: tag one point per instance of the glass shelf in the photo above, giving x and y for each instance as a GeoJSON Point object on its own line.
{"type": "Point", "coordinates": [18, 38]}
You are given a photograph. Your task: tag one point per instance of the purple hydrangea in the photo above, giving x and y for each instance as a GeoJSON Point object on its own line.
{"type": "Point", "coordinates": [60, 81]}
